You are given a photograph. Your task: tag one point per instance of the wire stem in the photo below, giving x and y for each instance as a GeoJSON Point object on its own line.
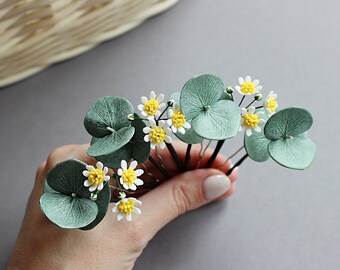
{"type": "Point", "coordinates": [238, 163]}
{"type": "Point", "coordinates": [250, 103]}
{"type": "Point", "coordinates": [214, 155]}
{"type": "Point", "coordinates": [241, 101]}
{"type": "Point", "coordinates": [187, 157]}
{"type": "Point", "coordinates": [159, 167]}
{"type": "Point", "coordinates": [175, 157]}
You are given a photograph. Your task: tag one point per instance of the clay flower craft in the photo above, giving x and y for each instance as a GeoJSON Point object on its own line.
{"type": "Point", "coordinates": [177, 120]}
{"type": "Point", "coordinates": [67, 202]}
{"type": "Point", "coordinates": [270, 103]}
{"type": "Point", "coordinates": [129, 176]}
{"type": "Point", "coordinates": [96, 176]}
{"type": "Point", "coordinates": [251, 120]}
{"type": "Point", "coordinates": [107, 121]}
{"type": "Point", "coordinates": [157, 134]}
{"type": "Point", "coordinates": [151, 107]}
{"type": "Point", "coordinates": [125, 207]}
{"type": "Point", "coordinates": [77, 195]}
{"type": "Point", "coordinates": [247, 86]}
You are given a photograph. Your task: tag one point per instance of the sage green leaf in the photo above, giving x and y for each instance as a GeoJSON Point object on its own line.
{"type": "Point", "coordinates": [136, 148]}
{"type": "Point", "coordinates": [256, 145]}
{"type": "Point", "coordinates": [287, 123]}
{"type": "Point", "coordinates": [226, 96]}
{"type": "Point", "coordinates": [103, 201]}
{"type": "Point", "coordinates": [219, 122]}
{"type": "Point", "coordinates": [68, 212]}
{"type": "Point", "coordinates": [108, 113]}
{"type": "Point", "coordinates": [296, 153]}
{"type": "Point", "coordinates": [67, 178]}
{"type": "Point", "coordinates": [48, 189]}
{"type": "Point", "coordinates": [111, 143]}
{"type": "Point", "coordinates": [190, 136]}
{"type": "Point", "coordinates": [200, 93]}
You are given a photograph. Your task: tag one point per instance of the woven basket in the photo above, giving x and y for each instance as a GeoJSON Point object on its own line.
{"type": "Point", "coordinates": [37, 33]}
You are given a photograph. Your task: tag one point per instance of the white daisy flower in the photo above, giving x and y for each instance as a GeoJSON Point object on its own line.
{"type": "Point", "coordinates": [151, 107]}
{"type": "Point", "coordinates": [251, 120]}
{"type": "Point", "coordinates": [177, 120]}
{"type": "Point", "coordinates": [248, 87]}
{"type": "Point", "coordinates": [96, 176]}
{"type": "Point", "coordinates": [270, 103]}
{"type": "Point", "coordinates": [157, 135]}
{"type": "Point", "coordinates": [125, 207]}
{"type": "Point", "coordinates": [129, 176]}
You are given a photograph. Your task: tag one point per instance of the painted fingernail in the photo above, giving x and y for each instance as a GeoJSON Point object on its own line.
{"type": "Point", "coordinates": [215, 185]}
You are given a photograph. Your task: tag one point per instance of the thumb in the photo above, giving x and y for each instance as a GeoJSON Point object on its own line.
{"type": "Point", "coordinates": [182, 193]}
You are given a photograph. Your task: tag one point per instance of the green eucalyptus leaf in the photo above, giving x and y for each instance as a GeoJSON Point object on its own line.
{"type": "Point", "coordinates": [68, 212]}
{"type": "Point", "coordinates": [103, 201]}
{"type": "Point", "coordinates": [219, 122]}
{"type": "Point", "coordinates": [256, 144]}
{"type": "Point", "coordinates": [287, 123]}
{"type": "Point", "coordinates": [67, 178]}
{"type": "Point", "coordinates": [136, 149]}
{"type": "Point", "coordinates": [190, 136]}
{"type": "Point", "coordinates": [48, 189]}
{"type": "Point", "coordinates": [200, 93]}
{"type": "Point", "coordinates": [107, 113]}
{"type": "Point", "coordinates": [226, 96]}
{"type": "Point", "coordinates": [111, 143]}
{"type": "Point", "coordinates": [296, 153]}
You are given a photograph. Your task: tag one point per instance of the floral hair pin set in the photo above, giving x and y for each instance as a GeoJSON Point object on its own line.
{"type": "Point", "coordinates": [77, 195]}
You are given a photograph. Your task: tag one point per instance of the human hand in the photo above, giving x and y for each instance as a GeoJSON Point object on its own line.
{"type": "Point", "coordinates": [113, 244]}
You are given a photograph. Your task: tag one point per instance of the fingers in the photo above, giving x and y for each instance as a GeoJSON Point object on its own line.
{"type": "Point", "coordinates": [59, 154]}
{"type": "Point", "coordinates": [183, 193]}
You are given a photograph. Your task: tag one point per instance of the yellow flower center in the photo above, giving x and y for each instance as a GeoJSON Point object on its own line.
{"type": "Point", "coordinates": [272, 104]}
{"type": "Point", "coordinates": [248, 88]}
{"type": "Point", "coordinates": [151, 107]}
{"type": "Point", "coordinates": [127, 207]}
{"type": "Point", "coordinates": [250, 120]}
{"type": "Point", "coordinates": [178, 119]}
{"type": "Point", "coordinates": [129, 176]}
{"type": "Point", "coordinates": [96, 176]}
{"type": "Point", "coordinates": [157, 135]}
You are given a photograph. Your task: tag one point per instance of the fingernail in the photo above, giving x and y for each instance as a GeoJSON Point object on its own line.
{"type": "Point", "coordinates": [215, 185]}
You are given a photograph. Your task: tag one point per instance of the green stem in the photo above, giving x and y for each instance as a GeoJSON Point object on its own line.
{"type": "Point", "coordinates": [259, 107]}
{"type": "Point", "coordinates": [159, 167]}
{"type": "Point", "coordinates": [238, 163]}
{"type": "Point", "coordinates": [175, 157]}
{"type": "Point", "coordinates": [214, 155]}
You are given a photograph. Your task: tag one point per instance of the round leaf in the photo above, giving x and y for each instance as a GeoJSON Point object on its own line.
{"type": "Point", "coordinates": [136, 149]}
{"type": "Point", "coordinates": [103, 201]}
{"type": "Point", "coordinates": [221, 121]}
{"type": "Point", "coordinates": [226, 96]}
{"type": "Point", "coordinates": [199, 93]}
{"type": "Point", "coordinates": [295, 153]}
{"type": "Point", "coordinates": [189, 137]}
{"type": "Point", "coordinates": [256, 144]}
{"type": "Point", "coordinates": [111, 143]}
{"type": "Point", "coordinates": [107, 112]}
{"type": "Point", "coordinates": [68, 212]}
{"type": "Point", "coordinates": [67, 178]}
{"type": "Point", "coordinates": [287, 123]}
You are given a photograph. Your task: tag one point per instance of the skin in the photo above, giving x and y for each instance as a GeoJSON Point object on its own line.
{"type": "Point", "coordinates": [112, 244]}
